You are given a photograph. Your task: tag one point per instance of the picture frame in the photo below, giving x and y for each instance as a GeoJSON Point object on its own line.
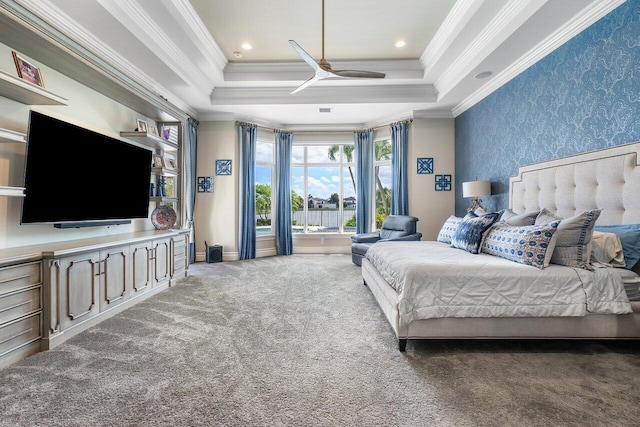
{"type": "Point", "coordinates": [223, 167]}
{"type": "Point", "coordinates": [158, 161]}
{"type": "Point", "coordinates": [153, 130]}
{"type": "Point", "coordinates": [142, 126]}
{"type": "Point", "coordinates": [169, 163]}
{"type": "Point", "coordinates": [425, 165]}
{"type": "Point", "coordinates": [205, 184]}
{"type": "Point", "coordinates": [27, 71]}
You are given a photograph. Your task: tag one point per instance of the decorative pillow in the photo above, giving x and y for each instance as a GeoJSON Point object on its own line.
{"type": "Point", "coordinates": [448, 229]}
{"type": "Point", "coordinates": [606, 249]}
{"type": "Point", "coordinates": [512, 218]}
{"type": "Point", "coordinates": [470, 231]}
{"type": "Point", "coordinates": [527, 244]}
{"type": "Point", "coordinates": [629, 235]}
{"type": "Point", "coordinates": [573, 244]}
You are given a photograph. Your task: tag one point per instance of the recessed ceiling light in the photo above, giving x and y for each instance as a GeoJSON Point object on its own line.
{"type": "Point", "coordinates": [483, 75]}
{"type": "Point", "coordinates": [400, 43]}
{"type": "Point", "coordinates": [237, 54]}
{"type": "Point", "coordinates": [246, 46]}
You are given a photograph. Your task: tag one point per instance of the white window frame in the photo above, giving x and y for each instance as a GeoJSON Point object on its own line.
{"type": "Point", "coordinates": [272, 166]}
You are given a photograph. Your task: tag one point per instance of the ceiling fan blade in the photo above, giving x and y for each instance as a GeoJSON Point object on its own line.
{"type": "Point", "coordinates": [309, 82]}
{"type": "Point", "coordinates": [359, 74]}
{"type": "Point", "coordinates": [304, 55]}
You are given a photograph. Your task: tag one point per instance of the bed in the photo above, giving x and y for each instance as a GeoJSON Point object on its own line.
{"type": "Point", "coordinates": [431, 290]}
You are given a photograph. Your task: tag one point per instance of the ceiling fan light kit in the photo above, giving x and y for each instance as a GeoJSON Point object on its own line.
{"type": "Point", "coordinates": [323, 69]}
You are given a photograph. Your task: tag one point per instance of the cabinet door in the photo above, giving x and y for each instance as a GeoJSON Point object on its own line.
{"type": "Point", "coordinates": [114, 277]}
{"type": "Point", "coordinates": [161, 257]}
{"type": "Point", "coordinates": [141, 261]}
{"type": "Point", "coordinates": [78, 288]}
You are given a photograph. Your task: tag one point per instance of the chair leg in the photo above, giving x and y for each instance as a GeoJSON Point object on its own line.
{"type": "Point", "coordinates": [402, 344]}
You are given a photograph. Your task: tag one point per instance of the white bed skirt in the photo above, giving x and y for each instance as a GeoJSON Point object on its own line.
{"type": "Point", "coordinates": [592, 326]}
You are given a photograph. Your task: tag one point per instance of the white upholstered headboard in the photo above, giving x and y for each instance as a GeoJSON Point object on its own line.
{"type": "Point", "coordinates": [607, 179]}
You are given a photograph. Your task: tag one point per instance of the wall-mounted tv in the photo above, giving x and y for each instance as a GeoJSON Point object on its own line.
{"type": "Point", "coordinates": [75, 177]}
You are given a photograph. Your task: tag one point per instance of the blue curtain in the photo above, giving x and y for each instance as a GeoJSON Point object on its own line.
{"type": "Point", "coordinates": [190, 180]}
{"type": "Point", "coordinates": [363, 142]}
{"type": "Point", "coordinates": [247, 232]}
{"type": "Point", "coordinates": [284, 238]}
{"type": "Point", "coordinates": [399, 163]}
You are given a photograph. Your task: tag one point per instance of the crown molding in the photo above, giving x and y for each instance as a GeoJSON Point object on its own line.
{"type": "Point", "coordinates": [67, 48]}
{"type": "Point", "coordinates": [508, 20]}
{"type": "Point", "coordinates": [192, 25]}
{"type": "Point", "coordinates": [596, 11]}
{"type": "Point", "coordinates": [132, 15]}
{"type": "Point", "coordinates": [291, 71]}
{"type": "Point", "coordinates": [453, 25]}
{"type": "Point", "coordinates": [432, 114]}
{"type": "Point", "coordinates": [319, 94]}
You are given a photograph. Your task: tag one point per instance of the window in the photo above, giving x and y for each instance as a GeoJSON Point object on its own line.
{"type": "Point", "coordinates": [323, 186]}
{"type": "Point", "coordinates": [382, 176]}
{"type": "Point", "coordinates": [265, 174]}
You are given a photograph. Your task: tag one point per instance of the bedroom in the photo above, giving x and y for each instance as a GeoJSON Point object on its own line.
{"type": "Point", "coordinates": [491, 126]}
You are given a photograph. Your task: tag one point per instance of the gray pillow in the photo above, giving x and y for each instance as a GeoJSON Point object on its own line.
{"type": "Point", "coordinates": [573, 243]}
{"type": "Point", "coordinates": [512, 218]}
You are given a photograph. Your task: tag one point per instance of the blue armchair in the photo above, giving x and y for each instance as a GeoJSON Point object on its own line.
{"type": "Point", "coordinates": [394, 227]}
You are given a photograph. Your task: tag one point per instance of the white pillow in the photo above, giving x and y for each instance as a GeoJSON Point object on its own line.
{"type": "Point", "coordinates": [449, 229]}
{"type": "Point", "coordinates": [606, 249]}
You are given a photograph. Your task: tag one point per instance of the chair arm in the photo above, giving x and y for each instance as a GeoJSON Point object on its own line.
{"type": "Point", "coordinates": [410, 237]}
{"type": "Point", "coordinates": [365, 238]}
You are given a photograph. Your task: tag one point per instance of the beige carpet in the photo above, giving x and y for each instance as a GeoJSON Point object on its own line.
{"type": "Point", "coordinates": [299, 341]}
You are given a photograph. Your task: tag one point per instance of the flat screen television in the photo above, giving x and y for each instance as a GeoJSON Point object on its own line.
{"type": "Point", "coordinates": [76, 177]}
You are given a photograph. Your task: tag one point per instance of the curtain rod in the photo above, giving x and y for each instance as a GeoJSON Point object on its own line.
{"type": "Point", "coordinates": [322, 131]}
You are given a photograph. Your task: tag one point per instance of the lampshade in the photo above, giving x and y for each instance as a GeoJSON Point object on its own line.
{"type": "Point", "coordinates": [476, 188]}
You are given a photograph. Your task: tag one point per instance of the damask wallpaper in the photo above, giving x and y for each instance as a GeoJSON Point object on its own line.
{"type": "Point", "coordinates": [583, 96]}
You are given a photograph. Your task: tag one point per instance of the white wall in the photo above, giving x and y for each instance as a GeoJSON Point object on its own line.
{"type": "Point", "coordinates": [86, 108]}
{"type": "Point", "coordinates": [216, 214]}
{"type": "Point", "coordinates": [431, 138]}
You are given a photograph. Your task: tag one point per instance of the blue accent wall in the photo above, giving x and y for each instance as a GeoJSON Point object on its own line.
{"type": "Point", "coordinates": [584, 96]}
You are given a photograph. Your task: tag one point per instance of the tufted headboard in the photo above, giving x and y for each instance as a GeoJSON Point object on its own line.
{"type": "Point", "coordinates": [607, 179]}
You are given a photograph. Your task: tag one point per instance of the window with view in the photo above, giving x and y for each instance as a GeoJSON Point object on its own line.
{"type": "Point", "coordinates": [323, 188]}
{"type": "Point", "coordinates": [264, 177]}
{"type": "Point", "coordinates": [382, 176]}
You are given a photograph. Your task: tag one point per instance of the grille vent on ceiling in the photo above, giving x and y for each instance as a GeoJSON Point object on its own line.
{"type": "Point", "coordinates": [325, 110]}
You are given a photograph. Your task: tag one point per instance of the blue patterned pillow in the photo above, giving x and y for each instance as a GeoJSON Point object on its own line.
{"type": "Point", "coordinates": [469, 234]}
{"type": "Point", "coordinates": [529, 244]}
{"type": "Point", "coordinates": [448, 229]}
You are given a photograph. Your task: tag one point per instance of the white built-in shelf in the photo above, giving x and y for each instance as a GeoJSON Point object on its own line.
{"type": "Point", "coordinates": [27, 93]}
{"type": "Point", "coordinates": [12, 191]}
{"type": "Point", "coordinates": [150, 140]}
{"type": "Point", "coordinates": [163, 199]}
{"type": "Point", "coordinates": [164, 171]}
{"type": "Point", "coordinates": [7, 135]}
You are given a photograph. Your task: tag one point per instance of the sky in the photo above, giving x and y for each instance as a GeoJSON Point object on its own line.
{"type": "Point", "coordinates": [324, 177]}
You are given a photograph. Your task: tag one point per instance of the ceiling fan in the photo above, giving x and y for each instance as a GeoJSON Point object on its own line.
{"type": "Point", "coordinates": [323, 69]}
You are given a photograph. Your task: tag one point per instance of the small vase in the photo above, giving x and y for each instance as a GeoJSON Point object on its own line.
{"type": "Point", "coordinates": [152, 193]}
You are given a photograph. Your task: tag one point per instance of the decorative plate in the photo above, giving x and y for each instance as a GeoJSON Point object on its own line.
{"type": "Point", "coordinates": [163, 217]}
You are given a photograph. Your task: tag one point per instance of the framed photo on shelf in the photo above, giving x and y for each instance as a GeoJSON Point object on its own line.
{"type": "Point", "coordinates": [27, 71]}
{"type": "Point", "coordinates": [153, 130]}
{"type": "Point", "coordinates": [158, 161]}
{"type": "Point", "coordinates": [142, 126]}
{"type": "Point", "coordinates": [169, 163]}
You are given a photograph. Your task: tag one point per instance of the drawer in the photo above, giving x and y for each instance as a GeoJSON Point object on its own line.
{"type": "Point", "coordinates": [20, 332]}
{"type": "Point", "coordinates": [20, 276]}
{"type": "Point", "coordinates": [179, 251]}
{"type": "Point", "coordinates": [179, 241]}
{"type": "Point", "coordinates": [19, 303]}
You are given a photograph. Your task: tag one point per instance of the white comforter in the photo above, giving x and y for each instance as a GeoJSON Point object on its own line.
{"type": "Point", "coordinates": [435, 280]}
